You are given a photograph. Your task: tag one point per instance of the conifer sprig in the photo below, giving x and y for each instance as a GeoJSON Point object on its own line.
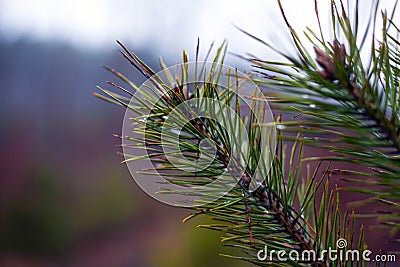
{"type": "Point", "coordinates": [345, 101]}
{"type": "Point", "coordinates": [281, 212]}
{"type": "Point", "coordinates": [339, 100]}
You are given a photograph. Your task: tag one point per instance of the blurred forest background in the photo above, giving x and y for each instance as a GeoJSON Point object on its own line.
{"type": "Point", "coordinates": [65, 198]}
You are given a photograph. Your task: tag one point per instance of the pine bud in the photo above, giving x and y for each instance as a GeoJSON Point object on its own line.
{"type": "Point", "coordinates": [329, 63]}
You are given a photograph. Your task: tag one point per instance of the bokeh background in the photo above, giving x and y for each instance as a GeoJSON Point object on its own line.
{"type": "Point", "coordinates": [65, 197]}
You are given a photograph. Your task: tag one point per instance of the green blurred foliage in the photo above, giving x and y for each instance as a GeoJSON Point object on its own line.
{"type": "Point", "coordinates": [108, 204]}
{"type": "Point", "coordinates": [46, 220]}
{"type": "Point", "coordinates": [195, 247]}
{"type": "Point", "coordinates": [36, 222]}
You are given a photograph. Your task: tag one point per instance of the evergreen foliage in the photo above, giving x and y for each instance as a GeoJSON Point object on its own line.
{"type": "Point", "coordinates": [338, 102]}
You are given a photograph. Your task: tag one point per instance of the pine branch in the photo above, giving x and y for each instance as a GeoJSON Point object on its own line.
{"type": "Point", "coordinates": [266, 196]}
{"type": "Point", "coordinates": [340, 103]}
{"type": "Point", "coordinates": [288, 218]}
{"type": "Point", "coordinates": [333, 65]}
{"type": "Point", "coordinates": [266, 206]}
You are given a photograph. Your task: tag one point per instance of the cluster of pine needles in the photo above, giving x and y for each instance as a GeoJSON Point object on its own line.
{"type": "Point", "coordinates": [336, 98]}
